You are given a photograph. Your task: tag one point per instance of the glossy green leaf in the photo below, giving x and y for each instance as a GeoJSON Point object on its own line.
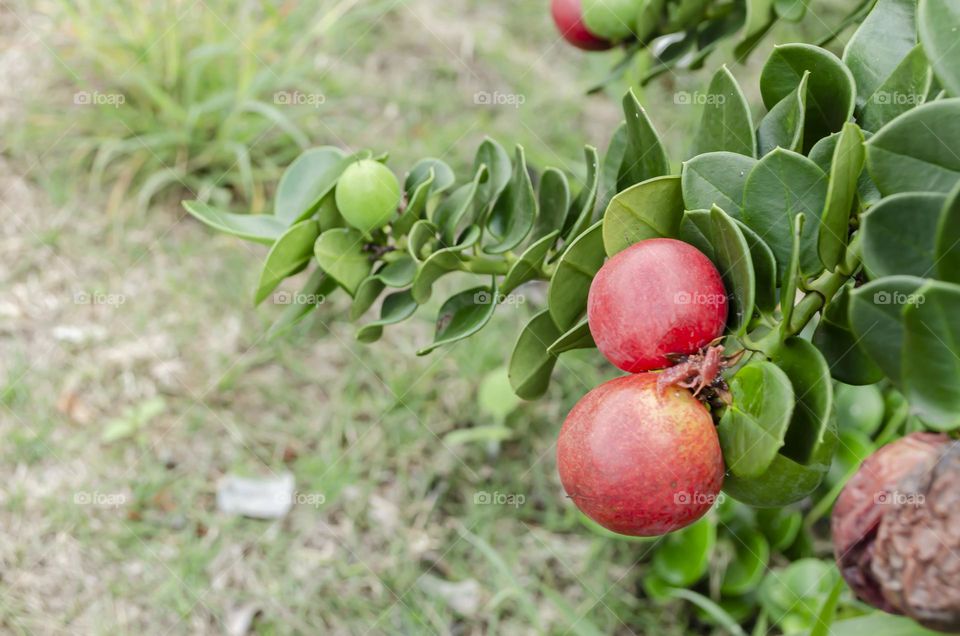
{"type": "Point", "coordinates": [845, 169]}
{"type": "Point", "coordinates": [399, 273]}
{"type": "Point", "coordinates": [937, 21]}
{"type": "Point", "coordinates": [435, 171]}
{"type": "Point", "coordinates": [577, 337]}
{"type": "Point", "coordinates": [947, 254]}
{"type": "Point", "coordinates": [340, 253]}
{"type": "Point", "coordinates": [311, 295]}
{"type": "Point", "coordinates": [289, 255]}
{"type": "Point", "coordinates": [530, 263]}
{"type": "Point", "coordinates": [876, 317]}
{"type": "Point", "coordinates": [610, 170]}
{"type": "Point", "coordinates": [764, 270]}
{"type": "Point", "coordinates": [918, 151]}
{"type": "Point", "coordinates": [518, 205]}
{"type": "Point", "coordinates": [682, 557]}
{"type": "Point", "coordinates": [696, 228]}
{"type": "Point", "coordinates": [726, 124]}
{"type": "Point", "coordinates": [570, 283]}
{"type": "Point", "coordinates": [652, 209]}
{"type": "Point", "coordinates": [822, 155]}
{"type": "Point", "coordinates": [259, 228]}
{"type": "Point", "coordinates": [459, 209]}
{"type": "Point", "coordinates": [810, 376]}
{"type": "Point", "coordinates": [880, 44]}
{"type": "Point", "coordinates": [753, 428]}
{"type": "Point", "coordinates": [645, 157]}
{"type": "Point", "coordinates": [553, 201]}
{"type": "Point", "coordinates": [931, 355]}
{"type": "Point", "coordinates": [437, 264]}
{"type": "Point", "coordinates": [499, 169]}
{"type": "Point", "coordinates": [749, 563]}
{"type": "Point", "coordinates": [716, 178]}
{"type": "Point", "coordinates": [463, 315]}
{"type": "Point", "coordinates": [782, 185]}
{"type": "Point", "coordinates": [530, 363]}
{"type": "Point", "coordinates": [835, 339]}
{"type": "Point", "coordinates": [900, 234]}
{"type": "Point", "coordinates": [396, 307]}
{"type": "Point", "coordinates": [580, 216]}
{"type": "Point", "coordinates": [422, 239]}
{"type": "Point", "coordinates": [783, 126]}
{"type": "Point", "coordinates": [791, 279]}
{"type": "Point", "coordinates": [307, 181]}
{"type": "Point", "coordinates": [733, 260]}
{"type": "Point", "coordinates": [830, 91]}
{"type": "Point", "coordinates": [904, 89]}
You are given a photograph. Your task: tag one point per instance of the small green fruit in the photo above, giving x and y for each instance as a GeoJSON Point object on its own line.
{"type": "Point", "coordinates": [612, 20]}
{"type": "Point", "coordinates": [367, 195]}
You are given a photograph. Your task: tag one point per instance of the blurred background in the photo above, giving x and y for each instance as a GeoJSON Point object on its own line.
{"type": "Point", "coordinates": [135, 379]}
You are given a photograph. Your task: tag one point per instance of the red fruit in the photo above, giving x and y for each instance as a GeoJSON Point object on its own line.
{"type": "Point", "coordinates": [568, 16]}
{"type": "Point", "coordinates": [638, 462]}
{"type": "Point", "coordinates": [655, 298]}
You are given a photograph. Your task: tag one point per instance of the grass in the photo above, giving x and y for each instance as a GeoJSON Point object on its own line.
{"type": "Point", "coordinates": [363, 427]}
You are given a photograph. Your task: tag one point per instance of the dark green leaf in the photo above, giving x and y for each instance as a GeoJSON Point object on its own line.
{"type": "Point", "coordinates": [726, 124]}
{"type": "Point", "coordinates": [340, 254]}
{"type": "Point", "coordinates": [289, 255]}
{"type": "Point", "coordinates": [554, 201]}
{"type": "Point", "coordinates": [906, 88]}
{"type": "Point", "coordinates": [845, 169]}
{"type": "Point", "coordinates": [782, 185]}
{"type": "Point", "coordinates": [518, 205]}
{"type": "Point", "coordinates": [459, 208]}
{"type": "Point", "coordinates": [716, 178]}
{"type": "Point", "coordinates": [612, 161]}
{"type": "Point", "coordinates": [834, 338]}
{"type": "Point", "coordinates": [880, 44]}
{"type": "Point", "coordinates": [495, 158]}
{"type": "Point", "coordinates": [396, 308]}
{"type": "Point", "coordinates": [780, 526]}
{"type": "Point", "coordinates": [463, 315]}
{"type": "Point", "coordinates": [570, 284]}
{"type": "Point", "coordinates": [696, 229]}
{"type": "Point", "coordinates": [645, 157]}
{"type": "Point", "coordinates": [397, 274]}
{"type": "Point", "coordinates": [528, 266]}
{"type": "Point", "coordinates": [530, 363]}
{"type": "Point", "coordinates": [947, 256]}
{"type": "Point", "coordinates": [422, 240]}
{"type": "Point", "coordinates": [652, 209]}
{"type": "Point", "coordinates": [783, 125]}
{"type": "Point", "coordinates": [790, 282]}
{"type": "Point", "coordinates": [752, 430]}
{"type": "Point", "coordinates": [732, 258]}
{"type": "Point", "coordinates": [259, 228]}
{"type": "Point", "coordinates": [810, 376]}
{"type": "Point", "coordinates": [931, 355]}
{"type": "Point", "coordinates": [581, 211]}
{"type": "Point", "coordinates": [764, 270]}
{"type": "Point", "coordinates": [938, 20]}
{"type": "Point", "coordinates": [830, 91]}
{"type": "Point", "coordinates": [577, 337]}
{"type": "Point", "coordinates": [900, 233]}
{"type": "Point", "coordinates": [416, 205]}
{"type": "Point", "coordinates": [876, 316]}
{"type": "Point", "coordinates": [918, 151]}
{"type": "Point", "coordinates": [442, 176]}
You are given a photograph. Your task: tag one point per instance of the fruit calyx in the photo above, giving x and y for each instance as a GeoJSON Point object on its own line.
{"type": "Point", "coordinates": [700, 372]}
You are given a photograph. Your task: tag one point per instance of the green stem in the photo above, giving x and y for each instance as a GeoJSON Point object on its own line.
{"type": "Point", "coordinates": [485, 266]}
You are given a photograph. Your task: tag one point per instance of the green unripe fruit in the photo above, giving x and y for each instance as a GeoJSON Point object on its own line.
{"type": "Point", "coordinates": [611, 19]}
{"type": "Point", "coordinates": [367, 195]}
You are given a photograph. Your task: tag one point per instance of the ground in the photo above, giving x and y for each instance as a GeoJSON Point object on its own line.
{"type": "Point", "coordinates": [134, 374]}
